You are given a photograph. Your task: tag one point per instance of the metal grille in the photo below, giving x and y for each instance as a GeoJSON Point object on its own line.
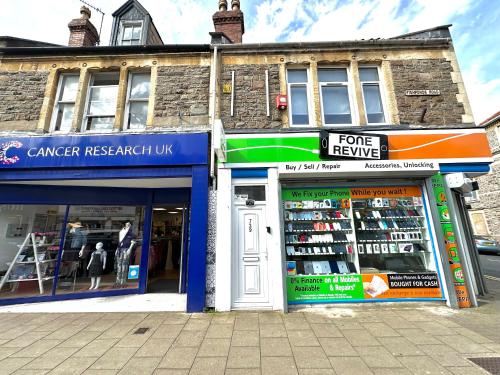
{"type": "Point", "coordinates": [490, 364]}
{"type": "Point", "coordinates": [141, 331]}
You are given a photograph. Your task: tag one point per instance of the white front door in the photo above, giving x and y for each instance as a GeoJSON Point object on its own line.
{"type": "Point", "coordinates": [250, 265]}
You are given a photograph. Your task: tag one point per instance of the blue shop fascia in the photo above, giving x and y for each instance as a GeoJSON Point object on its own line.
{"type": "Point", "coordinates": [103, 215]}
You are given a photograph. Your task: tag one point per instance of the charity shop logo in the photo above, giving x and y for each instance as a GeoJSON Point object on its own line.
{"type": "Point", "coordinates": [4, 147]}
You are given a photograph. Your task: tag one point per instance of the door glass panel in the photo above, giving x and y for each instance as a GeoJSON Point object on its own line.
{"type": "Point", "coordinates": [29, 245]}
{"type": "Point", "coordinates": [102, 249]}
{"type": "Point", "coordinates": [255, 192]}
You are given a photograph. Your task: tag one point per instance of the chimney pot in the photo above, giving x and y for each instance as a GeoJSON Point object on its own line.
{"type": "Point", "coordinates": [85, 12]}
{"type": "Point", "coordinates": [222, 5]}
{"type": "Point", "coordinates": [235, 4]}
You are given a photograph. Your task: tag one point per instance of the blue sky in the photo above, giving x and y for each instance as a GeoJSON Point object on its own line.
{"type": "Point", "coordinates": [475, 31]}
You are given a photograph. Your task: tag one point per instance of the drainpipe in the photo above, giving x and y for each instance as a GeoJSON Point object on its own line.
{"type": "Point", "coordinates": [213, 91]}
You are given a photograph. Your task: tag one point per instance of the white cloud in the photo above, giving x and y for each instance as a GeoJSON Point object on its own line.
{"type": "Point", "coordinates": [484, 96]}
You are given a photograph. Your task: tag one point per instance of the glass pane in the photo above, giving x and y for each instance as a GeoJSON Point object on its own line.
{"type": "Point", "coordinates": [136, 33]}
{"type": "Point", "coordinates": [300, 112]}
{"type": "Point", "coordinates": [368, 74]}
{"type": "Point", "coordinates": [140, 86]}
{"type": "Point", "coordinates": [19, 254]}
{"type": "Point", "coordinates": [138, 114]}
{"type": "Point", "coordinates": [106, 79]}
{"type": "Point", "coordinates": [336, 107]}
{"type": "Point", "coordinates": [102, 248]}
{"type": "Point", "coordinates": [373, 103]}
{"type": "Point", "coordinates": [332, 75]}
{"type": "Point", "coordinates": [69, 88]}
{"type": "Point", "coordinates": [64, 117]}
{"type": "Point", "coordinates": [101, 123]}
{"type": "Point", "coordinates": [103, 100]}
{"type": "Point", "coordinates": [127, 33]}
{"type": "Point", "coordinates": [297, 76]}
{"type": "Point", "coordinates": [257, 193]}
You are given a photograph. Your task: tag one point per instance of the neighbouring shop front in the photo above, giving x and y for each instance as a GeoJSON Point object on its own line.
{"type": "Point", "coordinates": [93, 216]}
{"type": "Point", "coordinates": [325, 217]}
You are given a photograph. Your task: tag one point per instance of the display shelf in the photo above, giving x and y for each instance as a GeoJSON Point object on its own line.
{"type": "Point", "coordinates": [389, 229]}
{"type": "Point", "coordinates": [33, 261]}
{"type": "Point", "coordinates": [316, 220]}
{"type": "Point", "coordinates": [387, 208]}
{"type": "Point", "coordinates": [398, 253]}
{"type": "Point", "coordinates": [32, 279]}
{"type": "Point", "coordinates": [317, 231]}
{"type": "Point", "coordinates": [388, 241]}
{"type": "Point", "coordinates": [322, 243]}
{"type": "Point", "coordinates": [409, 217]}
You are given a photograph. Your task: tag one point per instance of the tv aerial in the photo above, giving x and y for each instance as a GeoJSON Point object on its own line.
{"type": "Point", "coordinates": [99, 11]}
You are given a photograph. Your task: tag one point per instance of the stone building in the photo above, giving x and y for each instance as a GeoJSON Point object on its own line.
{"type": "Point", "coordinates": [322, 139]}
{"type": "Point", "coordinates": [104, 141]}
{"type": "Point", "coordinates": [485, 203]}
{"type": "Point", "coordinates": [233, 175]}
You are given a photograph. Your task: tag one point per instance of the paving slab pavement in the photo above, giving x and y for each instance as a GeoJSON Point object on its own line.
{"type": "Point", "coordinates": [412, 338]}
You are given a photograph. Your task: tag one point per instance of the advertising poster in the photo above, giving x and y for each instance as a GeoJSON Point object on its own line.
{"type": "Point", "coordinates": [331, 288]}
{"type": "Point", "coordinates": [449, 241]}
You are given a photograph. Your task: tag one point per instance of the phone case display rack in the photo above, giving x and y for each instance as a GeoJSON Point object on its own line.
{"type": "Point", "coordinates": [340, 231]}
{"type": "Point", "coordinates": [34, 261]}
{"type": "Point", "coordinates": [319, 234]}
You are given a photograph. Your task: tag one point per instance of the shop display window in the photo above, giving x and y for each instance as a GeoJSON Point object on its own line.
{"type": "Point", "coordinates": [102, 249]}
{"type": "Point", "coordinates": [357, 243]}
{"type": "Point", "coordinates": [29, 245]}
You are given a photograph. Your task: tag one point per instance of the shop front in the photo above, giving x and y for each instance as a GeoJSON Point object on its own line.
{"type": "Point", "coordinates": [94, 216]}
{"type": "Point", "coordinates": [332, 216]}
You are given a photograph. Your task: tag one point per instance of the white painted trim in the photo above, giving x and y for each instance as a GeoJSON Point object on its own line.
{"type": "Point", "coordinates": [222, 244]}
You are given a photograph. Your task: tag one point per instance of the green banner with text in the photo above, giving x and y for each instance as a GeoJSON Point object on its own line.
{"type": "Point", "coordinates": [324, 288]}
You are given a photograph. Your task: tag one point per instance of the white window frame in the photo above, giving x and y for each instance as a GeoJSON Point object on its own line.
{"type": "Point", "coordinates": [132, 24]}
{"type": "Point", "coordinates": [350, 96]}
{"type": "Point", "coordinates": [83, 127]}
{"type": "Point", "coordinates": [381, 93]}
{"type": "Point", "coordinates": [128, 101]}
{"type": "Point", "coordinates": [57, 102]}
{"type": "Point", "coordinates": [309, 97]}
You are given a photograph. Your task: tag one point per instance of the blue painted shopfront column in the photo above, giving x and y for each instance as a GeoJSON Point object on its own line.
{"type": "Point", "coordinates": [196, 280]}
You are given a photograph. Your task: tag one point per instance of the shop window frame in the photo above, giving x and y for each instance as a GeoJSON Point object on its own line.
{"type": "Point", "coordinates": [58, 102]}
{"type": "Point", "coordinates": [350, 94]}
{"type": "Point", "coordinates": [309, 93]}
{"type": "Point", "coordinates": [381, 91]}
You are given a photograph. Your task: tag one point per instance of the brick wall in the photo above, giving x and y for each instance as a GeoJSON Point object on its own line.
{"type": "Point", "coordinates": [182, 95]}
{"type": "Point", "coordinates": [21, 97]}
{"type": "Point", "coordinates": [427, 74]}
{"type": "Point", "coordinates": [250, 97]}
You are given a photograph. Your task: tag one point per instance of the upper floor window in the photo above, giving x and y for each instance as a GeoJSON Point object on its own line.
{"type": "Point", "coordinates": [64, 106]}
{"type": "Point", "coordinates": [298, 89]}
{"type": "Point", "coordinates": [372, 97]}
{"type": "Point", "coordinates": [334, 89]}
{"type": "Point", "coordinates": [101, 102]}
{"type": "Point", "coordinates": [137, 101]}
{"type": "Point", "coordinates": [131, 33]}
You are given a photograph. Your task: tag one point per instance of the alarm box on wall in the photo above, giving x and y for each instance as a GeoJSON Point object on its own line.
{"type": "Point", "coordinates": [281, 102]}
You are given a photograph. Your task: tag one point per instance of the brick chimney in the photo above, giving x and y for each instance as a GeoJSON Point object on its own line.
{"type": "Point", "coordinates": [81, 31]}
{"type": "Point", "coordinates": [230, 22]}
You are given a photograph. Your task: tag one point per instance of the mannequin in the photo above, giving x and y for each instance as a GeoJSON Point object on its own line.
{"type": "Point", "coordinates": [126, 242]}
{"type": "Point", "coordinates": [97, 265]}
{"type": "Point", "coordinates": [77, 242]}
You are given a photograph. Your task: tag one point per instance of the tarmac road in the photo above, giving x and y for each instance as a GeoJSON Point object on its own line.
{"type": "Point", "coordinates": [490, 265]}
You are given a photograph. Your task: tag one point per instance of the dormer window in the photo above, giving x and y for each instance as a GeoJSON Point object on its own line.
{"type": "Point", "coordinates": [131, 33]}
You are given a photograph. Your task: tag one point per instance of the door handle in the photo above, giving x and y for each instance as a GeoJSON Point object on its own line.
{"type": "Point", "coordinates": [251, 259]}
{"type": "Point", "coordinates": [268, 230]}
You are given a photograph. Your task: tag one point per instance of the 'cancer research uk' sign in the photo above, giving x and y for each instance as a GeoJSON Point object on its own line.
{"type": "Point", "coordinates": [103, 150]}
{"type": "Point", "coordinates": [348, 145]}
